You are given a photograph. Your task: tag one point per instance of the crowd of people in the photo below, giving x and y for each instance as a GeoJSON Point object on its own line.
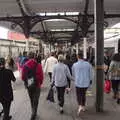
{"type": "Point", "coordinates": [62, 68]}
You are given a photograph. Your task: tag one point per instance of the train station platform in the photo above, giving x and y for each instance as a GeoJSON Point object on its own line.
{"type": "Point", "coordinates": [21, 110]}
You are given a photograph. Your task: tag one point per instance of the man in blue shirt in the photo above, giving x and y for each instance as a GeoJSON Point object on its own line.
{"type": "Point", "coordinates": [82, 73]}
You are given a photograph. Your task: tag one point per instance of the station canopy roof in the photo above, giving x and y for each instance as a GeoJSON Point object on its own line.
{"type": "Point", "coordinates": [61, 19]}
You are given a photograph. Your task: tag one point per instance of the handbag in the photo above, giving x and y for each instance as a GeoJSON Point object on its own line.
{"type": "Point", "coordinates": [107, 86]}
{"type": "Point", "coordinates": [50, 95]}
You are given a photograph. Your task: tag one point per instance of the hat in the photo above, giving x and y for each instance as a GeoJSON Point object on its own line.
{"type": "Point", "coordinates": [2, 61]}
{"type": "Point", "coordinates": [60, 57]}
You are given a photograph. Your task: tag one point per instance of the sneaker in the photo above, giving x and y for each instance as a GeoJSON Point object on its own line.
{"type": "Point", "coordinates": [61, 110]}
{"type": "Point", "coordinates": [118, 101]}
{"type": "Point", "coordinates": [33, 117]}
{"type": "Point", "coordinates": [79, 110]}
{"type": "Point", "coordinates": [7, 118]}
{"type": "Point", "coordinates": [1, 112]}
{"type": "Point", "coordinates": [83, 109]}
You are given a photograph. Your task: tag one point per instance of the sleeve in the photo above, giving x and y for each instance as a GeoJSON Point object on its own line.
{"type": "Point", "coordinates": [111, 67]}
{"type": "Point", "coordinates": [23, 73]}
{"type": "Point", "coordinates": [39, 75]}
{"type": "Point", "coordinates": [53, 74]}
{"type": "Point", "coordinates": [68, 73]}
{"type": "Point", "coordinates": [12, 77]}
{"type": "Point", "coordinates": [46, 65]}
{"type": "Point", "coordinates": [73, 71]}
{"type": "Point", "coordinates": [91, 73]}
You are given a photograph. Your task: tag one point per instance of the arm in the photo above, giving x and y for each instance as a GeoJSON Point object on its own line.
{"type": "Point", "coordinates": [91, 74]}
{"type": "Point", "coordinates": [111, 67]}
{"type": "Point", "coordinates": [40, 76]}
{"type": "Point", "coordinates": [12, 76]}
{"type": "Point", "coordinates": [68, 73]}
{"type": "Point", "coordinates": [73, 72]}
{"type": "Point", "coordinates": [45, 66]}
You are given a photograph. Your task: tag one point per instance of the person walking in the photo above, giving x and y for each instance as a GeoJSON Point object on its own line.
{"type": "Point", "coordinates": [82, 73]}
{"type": "Point", "coordinates": [114, 74]}
{"type": "Point", "coordinates": [68, 62]}
{"type": "Point", "coordinates": [59, 77]}
{"type": "Point", "coordinates": [49, 64]}
{"type": "Point", "coordinates": [33, 82]}
{"type": "Point", "coordinates": [6, 92]}
{"type": "Point", "coordinates": [10, 63]}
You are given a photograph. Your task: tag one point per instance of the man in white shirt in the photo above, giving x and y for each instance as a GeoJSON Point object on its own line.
{"type": "Point", "coordinates": [50, 62]}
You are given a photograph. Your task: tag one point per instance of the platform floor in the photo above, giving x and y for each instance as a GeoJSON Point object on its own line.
{"type": "Point", "coordinates": [21, 110]}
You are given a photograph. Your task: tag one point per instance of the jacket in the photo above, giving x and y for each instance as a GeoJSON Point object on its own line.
{"type": "Point", "coordinates": [6, 91]}
{"type": "Point", "coordinates": [50, 62]}
{"type": "Point", "coordinates": [39, 72]}
{"type": "Point", "coordinates": [114, 70]}
{"type": "Point", "coordinates": [60, 74]}
{"type": "Point", "coordinates": [82, 73]}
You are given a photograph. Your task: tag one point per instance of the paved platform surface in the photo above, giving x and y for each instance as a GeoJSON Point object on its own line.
{"type": "Point", "coordinates": [21, 110]}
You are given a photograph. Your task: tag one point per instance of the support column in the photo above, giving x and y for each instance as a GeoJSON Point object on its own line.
{"type": "Point", "coordinates": [85, 48]}
{"type": "Point", "coordinates": [50, 47]}
{"type": "Point", "coordinates": [27, 45]}
{"type": "Point", "coordinates": [99, 38]}
{"type": "Point", "coordinates": [77, 47]}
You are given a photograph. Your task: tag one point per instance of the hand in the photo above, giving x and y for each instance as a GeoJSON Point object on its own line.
{"type": "Point", "coordinates": [90, 82]}
{"type": "Point", "coordinates": [25, 84]}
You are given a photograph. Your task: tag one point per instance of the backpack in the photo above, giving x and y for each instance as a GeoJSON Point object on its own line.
{"type": "Point", "coordinates": [31, 76]}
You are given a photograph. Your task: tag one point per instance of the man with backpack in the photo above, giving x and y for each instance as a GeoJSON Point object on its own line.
{"type": "Point", "coordinates": [32, 75]}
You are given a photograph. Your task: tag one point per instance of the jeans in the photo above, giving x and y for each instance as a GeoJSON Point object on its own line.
{"type": "Point", "coordinates": [81, 95]}
{"type": "Point", "coordinates": [60, 95]}
{"type": "Point", "coordinates": [50, 76]}
{"type": "Point", "coordinates": [6, 108]}
{"type": "Point", "coordinates": [34, 95]}
{"type": "Point", "coordinates": [115, 86]}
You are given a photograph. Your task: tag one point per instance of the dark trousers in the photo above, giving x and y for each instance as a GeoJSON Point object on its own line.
{"type": "Point", "coordinates": [81, 95]}
{"type": "Point", "coordinates": [50, 76]}
{"type": "Point", "coordinates": [69, 82]}
{"type": "Point", "coordinates": [34, 95]}
{"type": "Point", "coordinates": [60, 95]}
{"type": "Point", "coordinates": [6, 108]}
{"type": "Point", "coordinates": [115, 86]}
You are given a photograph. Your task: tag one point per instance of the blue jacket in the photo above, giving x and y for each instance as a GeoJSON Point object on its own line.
{"type": "Point", "coordinates": [82, 73]}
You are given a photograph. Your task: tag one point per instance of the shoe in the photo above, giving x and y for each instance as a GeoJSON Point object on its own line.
{"type": "Point", "coordinates": [79, 110]}
{"type": "Point", "coordinates": [83, 109]}
{"type": "Point", "coordinates": [7, 118]}
{"type": "Point", "coordinates": [114, 97]}
{"type": "Point", "coordinates": [33, 117]}
{"type": "Point", "coordinates": [1, 112]}
{"type": "Point", "coordinates": [118, 101]}
{"type": "Point", "coordinates": [61, 110]}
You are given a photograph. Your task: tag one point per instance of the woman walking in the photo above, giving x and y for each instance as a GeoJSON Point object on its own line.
{"type": "Point", "coordinates": [59, 77]}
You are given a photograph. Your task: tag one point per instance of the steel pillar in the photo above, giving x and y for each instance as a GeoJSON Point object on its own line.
{"type": "Point", "coordinates": [27, 45]}
{"type": "Point", "coordinates": [85, 48]}
{"type": "Point", "coordinates": [99, 38]}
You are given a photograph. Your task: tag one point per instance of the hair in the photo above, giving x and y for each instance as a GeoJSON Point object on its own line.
{"type": "Point", "coordinates": [2, 61]}
{"type": "Point", "coordinates": [116, 57]}
{"type": "Point", "coordinates": [80, 55]}
{"type": "Point", "coordinates": [52, 53]}
{"type": "Point", "coordinates": [31, 55]}
{"type": "Point", "coordinates": [60, 58]}
{"type": "Point", "coordinates": [67, 57]}
{"type": "Point", "coordinates": [24, 53]}
{"type": "Point", "coordinates": [38, 58]}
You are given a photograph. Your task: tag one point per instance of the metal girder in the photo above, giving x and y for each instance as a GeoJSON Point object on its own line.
{"type": "Point", "coordinates": [24, 10]}
{"type": "Point", "coordinates": [84, 21]}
